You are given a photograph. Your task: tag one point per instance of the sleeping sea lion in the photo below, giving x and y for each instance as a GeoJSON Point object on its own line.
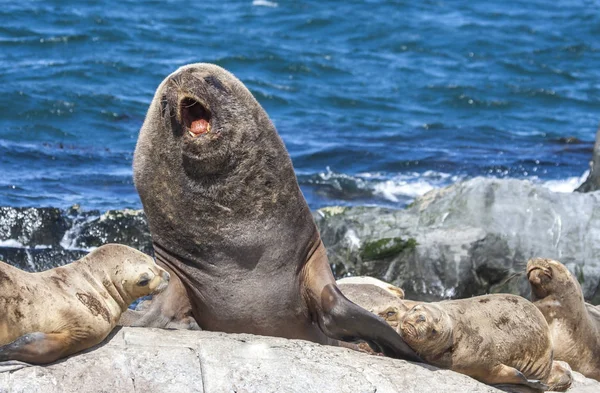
{"type": "Point", "coordinates": [574, 324]}
{"type": "Point", "coordinates": [52, 314]}
{"type": "Point", "coordinates": [227, 218]}
{"type": "Point", "coordinates": [497, 339]}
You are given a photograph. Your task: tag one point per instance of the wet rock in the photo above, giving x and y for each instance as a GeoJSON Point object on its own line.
{"type": "Point", "coordinates": [115, 226]}
{"type": "Point", "coordinates": [39, 259]}
{"type": "Point", "coordinates": [32, 226]}
{"type": "Point", "coordinates": [592, 183]}
{"type": "Point", "coordinates": [468, 239]}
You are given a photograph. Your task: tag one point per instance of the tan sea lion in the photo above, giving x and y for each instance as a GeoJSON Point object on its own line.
{"type": "Point", "coordinates": [52, 314]}
{"type": "Point", "coordinates": [574, 324]}
{"type": "Point", "coordinates": [227, 217]}
{"type": "Point", "coordinates": [367, 281]}
{"type": "Point", "coordinates": [497, 339]}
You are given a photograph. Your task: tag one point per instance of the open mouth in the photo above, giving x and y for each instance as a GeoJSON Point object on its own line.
{"type": "Point", "coordinates": [195, 118]}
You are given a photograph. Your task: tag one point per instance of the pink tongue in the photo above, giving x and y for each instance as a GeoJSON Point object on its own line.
{"type": "Point", "coordinates": [199, 127]}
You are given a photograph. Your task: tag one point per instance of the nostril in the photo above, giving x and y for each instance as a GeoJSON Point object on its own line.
{"type": "Point", "coordinates": [421, 318]}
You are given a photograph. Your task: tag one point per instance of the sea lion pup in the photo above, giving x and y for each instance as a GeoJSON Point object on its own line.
{"type": "Point", "coordinates": [227, 217]}
{"type": "Point", "coordinates": [366, 282]}
{"type": "Point", "coordinates": [52, 314]}
{"type": "Point", "coordinates": [575, 324]}
{"type": "Point", "coordinates": [497, 339]}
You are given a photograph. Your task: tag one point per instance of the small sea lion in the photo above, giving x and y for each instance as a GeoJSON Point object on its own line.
{"type": "Point", "coordinates": [52, 314]}
{"type": "Point", "coordinates": [497, 339]}
{"type": "Point", "coordinates": [367, 281]}
{"type": "Point", "coordinates": [227, 218]}
{"type": "Point", "coordinates": [574, 324]}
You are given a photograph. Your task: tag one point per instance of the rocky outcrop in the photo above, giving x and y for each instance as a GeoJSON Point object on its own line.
{"type": "Point", "coordinates": [467, 239]}
{"type": "Point", "coordinates": [592, 183]}
{"type": "Point", "coordinates": [35, 239]}
{"type": "Point", "coordinates": [153, 360]}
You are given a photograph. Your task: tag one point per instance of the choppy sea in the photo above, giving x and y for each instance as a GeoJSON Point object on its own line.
{"type": "Point", "coordinates": [377, 101]}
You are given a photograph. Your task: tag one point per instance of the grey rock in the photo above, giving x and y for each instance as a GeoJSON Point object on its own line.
{"type": "Point", "coordinates": [592, 183]}
{"type": "Point", "coordinates": [152, 360]}
{"type": "Point", "coordinates": [468, 239]}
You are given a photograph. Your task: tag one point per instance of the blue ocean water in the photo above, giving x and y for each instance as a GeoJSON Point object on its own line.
{"type": "Point", "coordinates": [377, 101]}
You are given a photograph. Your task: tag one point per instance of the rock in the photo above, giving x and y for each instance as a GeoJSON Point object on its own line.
{"type": "Point", "coordinates": [36, 239]}
{"type": "Point", "coordinates": [592, 183]}
{"type": "Point", "coordinates": [153, 360]}
{"type": "Point", "coordinates": [32, 226]}
{"type": "Point", "coordinates": [39, 259]}
{"type": "Point", "coordinates": [116, 226]}
{"type": "Point", "coordinates": [468, 239]}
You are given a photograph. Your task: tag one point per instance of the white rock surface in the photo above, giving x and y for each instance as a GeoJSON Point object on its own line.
{"type": "Point", "coordinates": [154, 360]}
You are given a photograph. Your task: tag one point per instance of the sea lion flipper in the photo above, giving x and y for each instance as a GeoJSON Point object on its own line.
{"type": "Point", "coordinates": [36, 348]}
{"type": "Point", "coordinates": [341, 319]}
{"type": "Point", "coordinates": [505, 375]}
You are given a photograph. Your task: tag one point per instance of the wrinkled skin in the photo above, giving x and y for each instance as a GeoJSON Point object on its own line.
{"type": "Point", "coordinates": [229, 221]}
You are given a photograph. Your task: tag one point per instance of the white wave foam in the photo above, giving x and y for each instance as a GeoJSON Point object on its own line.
{"type": "Point", "coordinates": [11, 243]}
{"type": "Point", "coordinates": [565, 185]}
{"type": "Point", "coordinates": [265, 3]}
{"type": "Point", "coordinates": [391, 189]}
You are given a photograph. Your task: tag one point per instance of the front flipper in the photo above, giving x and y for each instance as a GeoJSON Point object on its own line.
{"type": "Point", "coordinates": [36, 348]}
{"type": "Point", "coordinates": [504, 375]}
{"type": "Point", "coordinates": [341, 319]}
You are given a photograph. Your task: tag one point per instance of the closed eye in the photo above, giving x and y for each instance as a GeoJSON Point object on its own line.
{"type": "Point", "coordinates": [144, 280]}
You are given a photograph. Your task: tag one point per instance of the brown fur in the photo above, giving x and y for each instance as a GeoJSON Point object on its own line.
{"type": "Point", "coordinates": [228, 218]}
{"type": "Point", "coordinates": [58, 312]}
{"type": "Point", "coordinates": [496, 339]}
{"type": "Point", "coordinates": [574, 324]}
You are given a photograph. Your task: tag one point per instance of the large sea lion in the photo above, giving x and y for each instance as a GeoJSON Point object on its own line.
{"type": "Point", "coordinates": [52, 314]}
{"type": "Point", "coordinates": [574, 324]}
{"type": "Point", "coordinates": [228, 219]}
{"type": "Point", "coordinates": [497, 339]}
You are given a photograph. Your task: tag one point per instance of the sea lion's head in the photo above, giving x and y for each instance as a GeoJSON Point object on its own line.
{"type": "Point", "coordinates": [548, 277]}
{"type": "Point", "coordinates": [395, 311]}
{"type": "Point", "coordinates": [132, 272]}
{"type": "Point", "coordinates": [207, 151]}
{"type": "Point", "coordinates": [427, 329]}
